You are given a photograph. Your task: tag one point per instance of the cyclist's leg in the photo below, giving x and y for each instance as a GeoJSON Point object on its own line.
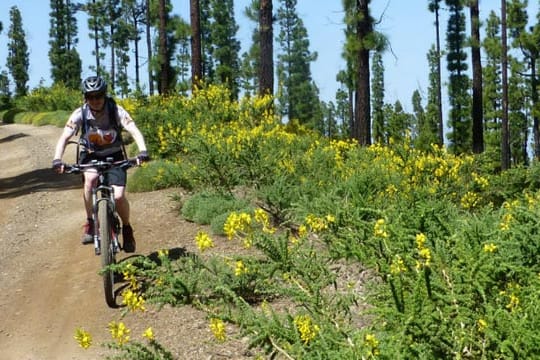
{"type": "Point", "coordinates": [90, 181]}
{"type": "Point", "coordinates": [122, 203]}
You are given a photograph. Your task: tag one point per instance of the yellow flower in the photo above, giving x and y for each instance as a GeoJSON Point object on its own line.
{"type": "Point", "coordinates": [302, 230]}
{"type": "Point", "coordinates": [397, 266]}
{"type": "Point", "coordinates": [420, 240]}
{"type": "Point", "coordinates": [490, 248]}
{"type": "Point", "coordinates": [203, 241]}
{"type": "Point", "coordinates": [236, 223]}
{"type": "Point", "coordinates": [316, 224]}
{"type": "Point", "coordinates": [84, 339]}
{"type": "Point", "coordinates": [373, 343]}
{"type": "Point", "coordinates": [133, 300]}
{"type": "Point", "coordinates": [217, 326]}
{"type": "Point", "coordinates": [513, 302]}
{"type": "Point", "coordinates": [163, 253]}
{"type": "Point", "coordinates": [379, 230]}
{"type": "Point", "coordinates": [119, 332]}
{"type": "Point", "coordinates": [482, 325]}
{"type": "Point", "coordinates": [149, 334]}
{"type": "Point", "coordinates": [505, 223]}
{"type": "Point", "coordinates": [308, 331]}
{"type": "Point", "coordinates": [240, 268]}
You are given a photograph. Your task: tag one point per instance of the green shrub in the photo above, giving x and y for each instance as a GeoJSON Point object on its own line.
{"type": "Point", "coordinates": [56, 97]}
{"type": "Point", "coordinates": [204, 207]}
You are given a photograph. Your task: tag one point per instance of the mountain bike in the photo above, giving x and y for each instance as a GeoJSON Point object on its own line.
{"type": "Point", "coordinates": [107, 223]}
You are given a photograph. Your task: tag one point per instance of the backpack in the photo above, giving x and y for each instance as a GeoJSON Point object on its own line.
{"type": "Point", "coordinates": [112, 110]}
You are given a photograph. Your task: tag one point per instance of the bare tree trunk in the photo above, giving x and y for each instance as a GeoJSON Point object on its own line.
{"type": "Point", "coordinates": [477, 107]}
{"type": "Point", "coordinates": [149, 50]}
{"type": "Point", "coordinates": [505, 133]}
{"type": "Point", "coordinates": [163, 53]}
{"type": "Point", "coordinates": [136, 46]}
{"type": "Point", "coordinates": [96, 39]}
{"type": "Point", "coordinates": [196, 46]}
{"type": "Point", "coordinates": [266, 73]}
{"type": "Point", "coordinates": [362, 128]}
{"type": "Point", "coordinates": [113, 66]}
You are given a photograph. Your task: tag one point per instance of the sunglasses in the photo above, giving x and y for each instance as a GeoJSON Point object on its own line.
{"type": "Point", "coordinates": [94, 97]}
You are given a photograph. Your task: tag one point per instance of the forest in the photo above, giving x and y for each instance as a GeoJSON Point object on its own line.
{"type": "Point", "coordinates": [491, 110]}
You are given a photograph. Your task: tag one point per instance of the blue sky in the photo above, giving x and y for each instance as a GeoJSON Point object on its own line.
{"type": "Point", "coordinates": [407, 24]}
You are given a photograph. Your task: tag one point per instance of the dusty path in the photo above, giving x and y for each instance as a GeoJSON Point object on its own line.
{"type": "Point", "coordinates": [49, 284]}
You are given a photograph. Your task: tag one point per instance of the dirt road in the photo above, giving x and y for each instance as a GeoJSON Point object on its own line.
{"type": "Point", "coordinates": [49, 282]}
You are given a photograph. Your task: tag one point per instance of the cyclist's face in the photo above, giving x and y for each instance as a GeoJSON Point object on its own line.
{"type": "Point", "coordinates": [96, 101]}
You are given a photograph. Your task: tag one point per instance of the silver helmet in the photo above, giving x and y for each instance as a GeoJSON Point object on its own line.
{"type": "Point", "coordinates": [94, 84]}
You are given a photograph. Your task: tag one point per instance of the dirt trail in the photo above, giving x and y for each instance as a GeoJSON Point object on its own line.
{"type": "Point", "coordinates": [49, 283]}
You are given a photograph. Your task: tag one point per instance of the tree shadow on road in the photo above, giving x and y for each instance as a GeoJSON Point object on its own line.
{"type": "Point", "coordinates": [12, 137]}
{"type": "Point", "coordinates": [36, 181]}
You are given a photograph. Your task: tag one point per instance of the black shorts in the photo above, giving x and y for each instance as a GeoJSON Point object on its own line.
{"type": "Point", "coordinates": [116, 175]}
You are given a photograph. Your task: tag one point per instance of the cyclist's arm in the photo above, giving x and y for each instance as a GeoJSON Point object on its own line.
{"type": "Point", "coordinates": [131, 127]}
{"type": "Point", "coordinates": [62, 141]}
{"type": "Point", "coordinates": [137, 135]}
{"type": "Point", "coordinates": [69, 130]}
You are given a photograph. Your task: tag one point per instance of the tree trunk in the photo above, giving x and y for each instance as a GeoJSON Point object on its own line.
{"type": "Point", "coordinates": [439, 77]}
{"type": "Point", "coordinates": [113, 59]}
{"type": "Point", "coordinates": [96, 39]}
{"type": "Point", "coordinates": [196, 46]}
{"type": "Point", "coordinates": [477, 107]}
{"type": "Point", "coordinates": [505, 133]}
{"type": "Point", "coordinates": [149, 50]}
{"type": "Point", "coordinates": [266, 72]}
{"type": "Point", "coordinates": [534, 100]}
{"type": "Point", "coordinates": [163, 53]}
{"type": "Point", "coordinates": [362, 128]}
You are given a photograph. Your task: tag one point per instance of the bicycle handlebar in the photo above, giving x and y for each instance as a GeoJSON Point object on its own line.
{"type": "Point", "coordinates": [100, 165]}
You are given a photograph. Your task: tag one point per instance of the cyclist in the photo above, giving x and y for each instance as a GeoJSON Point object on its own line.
{"type": "Point", "coordinates": [101, 121]}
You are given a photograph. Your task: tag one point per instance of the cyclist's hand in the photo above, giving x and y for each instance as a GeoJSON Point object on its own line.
{"type": "Point", "coordinates": [58, 166]}
{"type": "Point", "coordinates": [143, 157]}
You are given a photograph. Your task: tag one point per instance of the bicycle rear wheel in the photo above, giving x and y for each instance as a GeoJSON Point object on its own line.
{"type": "Point", "coordinates": [107, 253]}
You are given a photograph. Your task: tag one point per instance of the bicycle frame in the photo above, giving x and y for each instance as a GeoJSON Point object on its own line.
{"type": "Point", "coordinates": [104, 192]}
{"type": "Point", "coordinates": [105, 218]}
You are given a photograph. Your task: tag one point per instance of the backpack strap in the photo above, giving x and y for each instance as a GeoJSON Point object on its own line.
{"type": "Point", "coordinates": [115, 121]}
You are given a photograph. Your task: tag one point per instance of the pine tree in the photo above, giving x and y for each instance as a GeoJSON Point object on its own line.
{"type": "Point", "coordinates": [436, 83]}
{"type": "Point", "coordinates": [66, 64]}
{"type": "Point", "coordinates": [459, 121]}
{"type": "Point", "coordinates": [251, 59]}
{"type": "Point", "coordinates": [477, 112]}
{"type": "Point", "coordinates": [422, 131]}
{"type": "Point", "coordinates": [377, 98]}
{"type": "Point", "coordinates": [134, 16]}
{"type": "Point", "coordinates": [297, 94]}
{"type": "Point", "coordinates": [196, 46]}
{"type": "Point", "coordinates": [360, 40]}
{"type": "Point", "coordinates": [505, 133]}
{"type": "Point", "coordinates": [491, 74]}
{"type": "Point", "coordinates": [529, 44]}
{"type": "Point", "coordinates": [17, 59]}
{"type": "Point", "coordinates": [431, 131]}
{"type": "Point", "coordinates": [5, 93]}
{"type": "Point", "coordinates": [398, 123]}
{"type": "Point", "coordinates": [225, 46]}
{"type": "Point", "coordinates": [266, 64]}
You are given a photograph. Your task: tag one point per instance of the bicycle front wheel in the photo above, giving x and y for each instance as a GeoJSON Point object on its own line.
{"type": "Point", "coordinates": [107, 253]}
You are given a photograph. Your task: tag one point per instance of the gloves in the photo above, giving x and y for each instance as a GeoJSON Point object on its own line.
{"type": "Point", "coordinates": [143, 157]}
{"type": "Point", "coordinates": [58, 166]}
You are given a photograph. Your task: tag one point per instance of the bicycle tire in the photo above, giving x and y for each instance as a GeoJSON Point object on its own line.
{"type": "Point", "coordinates": [107, 254]}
